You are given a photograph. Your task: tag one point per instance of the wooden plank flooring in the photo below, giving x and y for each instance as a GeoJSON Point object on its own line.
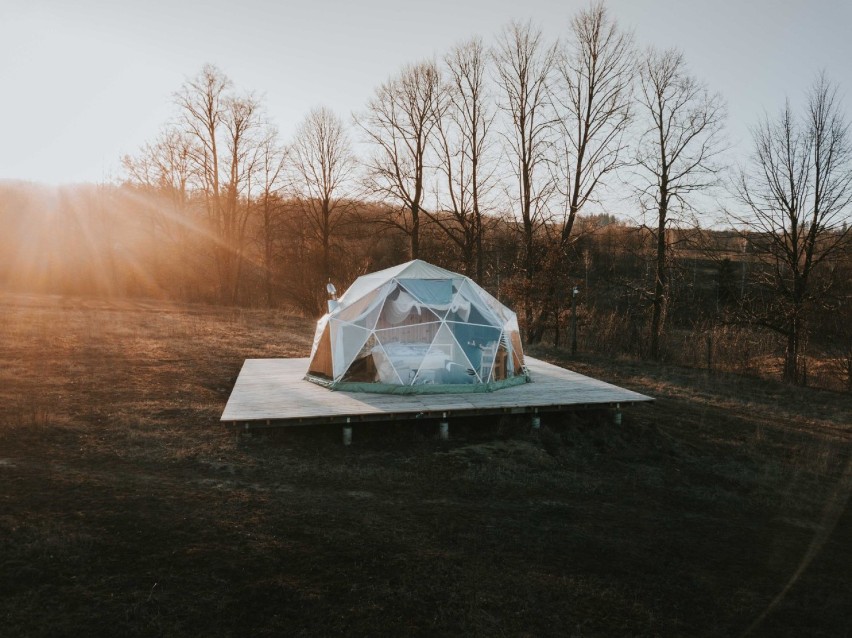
{"type": "Point", "coordinates": [273, 393]}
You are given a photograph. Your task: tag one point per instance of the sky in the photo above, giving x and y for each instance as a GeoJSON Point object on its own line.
{"type": "Point", "coordinates": [84, 82]}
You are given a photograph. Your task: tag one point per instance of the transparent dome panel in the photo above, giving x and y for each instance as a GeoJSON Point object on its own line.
{"type": "Point", "coordinates": [401, 308]}
{"type": "Point", "coordinates": [347, 340]}
{"type": "Point", "coordinates": [405, 347]}
{"type": "Point", "coordinates": [445, 363]}
{"type": "Point", "coordinates": [479, 343]}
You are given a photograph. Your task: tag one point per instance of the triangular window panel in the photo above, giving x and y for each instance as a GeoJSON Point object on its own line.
{"type": "Point", "coordinates": [406, 346]}
{"type": "Point", "coordinates": [401, 308]}
{"type": "Point", "coordinates": [422, 270]}
{"type": "Point", "coordinates": [499, 310]}
{"type": "Point", "coordinates": [365, 311]}
{"type": "Point", "coordinates": [347, 340]}
{"type": "Point", "coordinates": [481, 312]}
{"type": "Point", "coordinates": [384, 368]}
{"type": "Point", "coordinates": [418, 334]}
{"type": "Point", "coordinates": [459, 309]}
{"type": "Point", "coordinates": [517, 351]}
{"type": "Point", "coordinates": [501, 369]}
{"type": "Point", "coordinates": [479, 343]}
{"type": "Point", "coordinates": [363, 286]}
{"type": "Point", "coordinates": [435, 293]}
{"type": "Point", "coordinates": [363, 368]}
{"type": "Point", "coordinates": [486, 365]}
{"type": "Point", "coordinates": [517, 364]}
{"type": "Point", "coordinates": [445, 362]}
{"type": "Point", "coordinates": [512, 323]}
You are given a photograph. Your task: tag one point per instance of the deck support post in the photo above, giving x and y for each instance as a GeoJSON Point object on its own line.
{"type": "Point", "coordinates": [444, 428]}
{"type": "Point", "coordinates": [616, 417]}
{"type": "Point", "coordinates": [347, 435]}
{"type": "Point", "coordinates": [536, 421]}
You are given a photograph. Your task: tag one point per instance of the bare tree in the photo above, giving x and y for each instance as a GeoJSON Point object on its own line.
{"type": "Point", "coordinates": [797, 193]}
{"type": "Point", "coordinates": [398, 124]}
{"type": "Point", "coordinates": [163, 170]}
{"type": "Point", "coordinates": [597, 69]}
{"type": "Point", "coordinates": [223, 129]}
{"type": "Point", "coordinates": [462, 140]}
{"type": "Point", "coordinates": [322, 166]}
{"type": "Point", "coordinates": [270, 178]}
{"type": "Point", "coordinates": [680, 141]}
{"type": "Point", "coordinates": [468, 66]}
{"type": "Point", "coordinates": [593, 98]}
{"type": "Point", "coordinates": [243, 135]}
{"type": "Point", "coordinates": [164, 167]}
{"type": "Point", "coordinates": [201, 112]}
{"type": "Point", "coordinates": [524, 66]}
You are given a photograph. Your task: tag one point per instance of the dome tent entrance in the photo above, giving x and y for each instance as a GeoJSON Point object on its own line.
{"type": "Point", "coordinates": [417, 328]}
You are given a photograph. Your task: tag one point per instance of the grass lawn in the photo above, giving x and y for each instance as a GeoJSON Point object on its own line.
{"type": "Point", "coordinates": [126, 508]}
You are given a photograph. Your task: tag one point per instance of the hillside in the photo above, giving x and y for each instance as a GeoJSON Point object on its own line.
{"type": "Point", "coordinates": [126, 508]}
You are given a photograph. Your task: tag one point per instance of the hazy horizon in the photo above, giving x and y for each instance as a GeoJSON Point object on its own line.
{"type": "Point", "coordinates": [93, 82]}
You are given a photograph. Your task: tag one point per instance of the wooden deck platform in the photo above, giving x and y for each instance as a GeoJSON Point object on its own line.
{"type": "Point", "coordinates": [273, 393]}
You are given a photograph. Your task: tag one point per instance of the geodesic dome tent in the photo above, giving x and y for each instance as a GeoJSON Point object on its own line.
{"type": "Point", "coordinates": [417, 328]}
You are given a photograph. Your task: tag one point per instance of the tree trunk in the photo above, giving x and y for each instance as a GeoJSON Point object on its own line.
{"type": "Point", "coordinates": [477, 221]}
{"type": "Point", "coordinates": [415, 232]}
{"type": "Point", "coordinates": [238, 273]}
{"type": "Point", "coordinates": [267, 257]}
{"type": "Point", "coordinates": [660, 287]}
{"type": "Point", "coordinates": [479, 269]}
{"type": "Point", "coordinates": [791, 354]}
{"type": "Point", "coordinates": [556, 334]}
{"type": "Point", "coordinates": [326, 240]}
{"type": "Point", "coordinates": [532, 335]}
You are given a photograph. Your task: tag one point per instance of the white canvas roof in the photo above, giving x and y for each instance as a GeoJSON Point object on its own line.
{"type": "Point", "coordinates": [410, 269]}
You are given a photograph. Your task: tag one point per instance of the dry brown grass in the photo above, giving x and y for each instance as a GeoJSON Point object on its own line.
{"type": "Point", "coordinates": [126, 509]}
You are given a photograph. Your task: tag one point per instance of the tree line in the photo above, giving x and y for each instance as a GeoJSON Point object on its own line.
{"type": "Point", "coordinates": [497, 160]}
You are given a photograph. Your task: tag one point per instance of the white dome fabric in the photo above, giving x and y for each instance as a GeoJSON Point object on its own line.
{"type": "Point", "coordinates": [417, 328]}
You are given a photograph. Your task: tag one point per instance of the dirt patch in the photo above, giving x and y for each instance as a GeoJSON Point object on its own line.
{"type": "Point", "coordinates": [511, 452]}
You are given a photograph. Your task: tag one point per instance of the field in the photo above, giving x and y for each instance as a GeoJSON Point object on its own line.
{"type": "Point", "coordinates": [126, 509]}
